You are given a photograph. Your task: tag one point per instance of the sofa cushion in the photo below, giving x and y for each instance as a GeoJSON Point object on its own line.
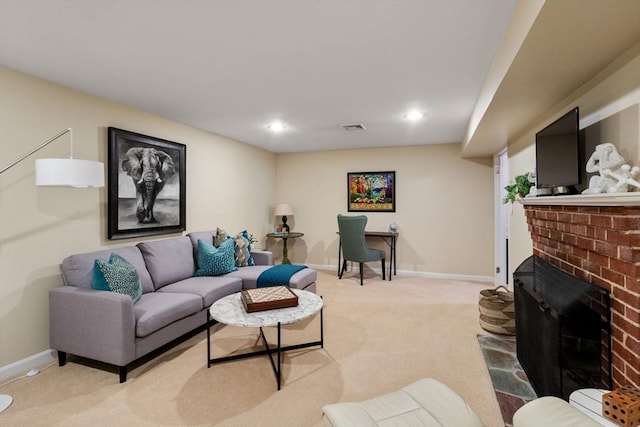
{"type": "Point", "coordinates": [249, 275]}
{"type": "Point", "coordinates": [214, 261]}
{"type": "Point", "coordinates": [117, 275]}
{"type": "Point", "coordinates": [156, 310]}
{"type": "Point", "coordinates": [210, 289]}
{"type": "Point", "coordinates": [168, 260]}
{"type": "Point", "coordinates": [207, 236]}
{"type": "Point", "coordinates": [77, 270]}
{"type": "Point", "coordinates": [303, 279]}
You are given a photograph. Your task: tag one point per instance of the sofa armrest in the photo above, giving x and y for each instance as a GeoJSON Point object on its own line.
{"type": "Point", "coordinates": [262, 257]}
{"type": "Point", "coordinates": [95, 324]}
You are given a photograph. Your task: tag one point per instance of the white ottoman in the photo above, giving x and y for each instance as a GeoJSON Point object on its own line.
{"type": "Point", "coordinates": [424, 403]}
{"type": "Point", "coordinates": [551, 411]}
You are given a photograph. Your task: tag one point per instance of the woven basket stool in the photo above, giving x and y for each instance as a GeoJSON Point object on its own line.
{"type": "Point", "coordinates": [497, 311]}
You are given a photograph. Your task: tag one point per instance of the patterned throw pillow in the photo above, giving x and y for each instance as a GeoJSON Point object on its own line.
{"type": "Point", "coordinates": [214, 261]}
{"type": "Point", "coordinates": [243, 249]}
{"type": "Point", "coordinates": [117, 275]}
{"type": "Point", "coordinates": [220, 237]}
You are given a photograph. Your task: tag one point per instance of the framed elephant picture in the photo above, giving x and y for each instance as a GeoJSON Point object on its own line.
{"type": "Point", "coordinates": [147, 185]}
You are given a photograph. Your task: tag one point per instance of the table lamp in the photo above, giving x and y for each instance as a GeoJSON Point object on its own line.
{"type": "Point", "coordinates": [284, 209]}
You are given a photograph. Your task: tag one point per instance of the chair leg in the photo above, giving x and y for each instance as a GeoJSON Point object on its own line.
{"type": "Point", "coordinates": [383, 269]}
{"type": "Point", "coordinates": [344, 267]}
{"type": "Point", "coordinates": [361, 274]}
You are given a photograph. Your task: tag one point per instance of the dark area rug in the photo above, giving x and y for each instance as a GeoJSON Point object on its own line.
{"type": "Point", "coordinates": [510, 382]}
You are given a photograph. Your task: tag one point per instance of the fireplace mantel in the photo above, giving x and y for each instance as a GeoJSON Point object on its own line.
{"type": "Point", "coordinates": [604, 199]}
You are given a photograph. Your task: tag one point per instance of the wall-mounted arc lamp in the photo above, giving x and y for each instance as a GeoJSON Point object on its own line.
{"type": "Point", "coordinates": [60, 172]}
{"type": "Point", "coordinates": [64, 172]}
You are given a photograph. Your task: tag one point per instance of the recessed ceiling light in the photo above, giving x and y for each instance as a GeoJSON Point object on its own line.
{"type": "Point", "coordinates": [414, 115]}
{"type": "Point", "coordinates": [276, 127]}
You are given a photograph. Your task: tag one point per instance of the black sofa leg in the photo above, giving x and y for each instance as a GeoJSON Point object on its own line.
{"type": "Point", "coordinates": [62, 358]}
{"type": "Point", "coordinates": [123, 374]}
{"type": "Point", "coordinates": [361, 274]}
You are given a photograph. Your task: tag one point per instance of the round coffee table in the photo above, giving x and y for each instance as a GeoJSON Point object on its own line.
{"type": "Point", "coordinates": [230, 311]}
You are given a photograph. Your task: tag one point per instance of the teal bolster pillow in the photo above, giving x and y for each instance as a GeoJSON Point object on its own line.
{"type": "Point", "coordinates": [117, 275]}
{"type": "Point", "coordinates": [214, 261]}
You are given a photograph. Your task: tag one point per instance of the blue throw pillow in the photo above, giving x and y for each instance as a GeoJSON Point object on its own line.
{"type": "Point", "coordinates": [214, 261]}
{"type": "Point", "coordinates": [117, 275]}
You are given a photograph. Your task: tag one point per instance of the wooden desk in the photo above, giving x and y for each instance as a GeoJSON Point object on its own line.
{"type": "Point", "coordinates": [284, 237]}
{"type": "Point", "coordinates": [389, 237]}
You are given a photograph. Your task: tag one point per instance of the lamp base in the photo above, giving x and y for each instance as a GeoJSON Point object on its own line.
{"type": "Point", "coordinates": [5, 401]}
{"type": "Point", "coordinates": [285, 227]}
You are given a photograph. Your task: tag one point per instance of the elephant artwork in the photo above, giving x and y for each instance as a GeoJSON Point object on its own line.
{"type": "Point", "coordinates": [149, 169]}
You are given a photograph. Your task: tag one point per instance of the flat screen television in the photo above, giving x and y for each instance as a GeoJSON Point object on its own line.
{"type": "Point", "coordinates": [558, 155]}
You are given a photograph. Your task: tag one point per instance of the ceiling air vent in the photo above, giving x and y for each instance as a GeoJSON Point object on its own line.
{"type": "Point", "coordinates": [353, 126]}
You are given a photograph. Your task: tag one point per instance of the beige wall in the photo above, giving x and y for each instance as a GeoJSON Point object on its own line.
{"type": "Point", "coordinates": [444, 206]}
{"type": "Point", "coordinates": [444, 202]}
{"type": "Point", "coordinates": [612, 97]}
{"type": "Point", "coordinates": [229, 184]}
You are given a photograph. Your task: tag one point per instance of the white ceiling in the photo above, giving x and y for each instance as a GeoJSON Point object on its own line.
{"type": "Point", "coordinates": [232, 67]}
{"type": "Point", "coordinates": [481, 70]}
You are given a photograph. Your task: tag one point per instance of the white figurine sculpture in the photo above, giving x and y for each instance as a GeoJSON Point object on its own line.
{"type": "Point", "coordinates": [615, 175]}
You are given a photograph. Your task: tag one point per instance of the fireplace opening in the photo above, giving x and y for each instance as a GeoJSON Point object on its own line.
{"type": "Point", "coordinates": [563, 330]}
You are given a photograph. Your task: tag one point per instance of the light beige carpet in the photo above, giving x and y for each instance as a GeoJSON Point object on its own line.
{"type": "Point", "coordinates": [378, 338]}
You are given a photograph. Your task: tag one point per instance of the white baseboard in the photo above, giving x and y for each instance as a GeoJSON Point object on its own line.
{"type": "Point", "coordinates": [21, 367]}
{"type": "Point", "coordinates": [411, 273]}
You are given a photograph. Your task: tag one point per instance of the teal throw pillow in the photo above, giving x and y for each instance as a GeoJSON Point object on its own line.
{"type": "Point", "coordinates": [243, 249]}
{"type": "Point", "coordinates": [117, 275]}
{"type": "Point", "coordinates": [214, 261]}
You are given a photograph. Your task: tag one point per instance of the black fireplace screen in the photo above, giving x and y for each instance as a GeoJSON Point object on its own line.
{"type": "Point", "coordinates": [563, 335]}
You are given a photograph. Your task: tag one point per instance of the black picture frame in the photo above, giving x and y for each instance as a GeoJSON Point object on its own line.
{"type": "Point", "coordinates": [371, 191]}
{"type": "Point", "coordinates": [137, 165]}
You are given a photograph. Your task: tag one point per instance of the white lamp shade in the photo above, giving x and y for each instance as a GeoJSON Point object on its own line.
{"type": "Point", "coordinates": [69, 172]}
{"type": "Point", "coordinates": [284, 209]}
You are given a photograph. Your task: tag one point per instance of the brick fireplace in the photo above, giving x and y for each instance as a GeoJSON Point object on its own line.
{"type": "Point", "coordinates": [601, 245]}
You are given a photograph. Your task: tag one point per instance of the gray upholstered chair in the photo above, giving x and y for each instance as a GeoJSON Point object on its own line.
{"type": "Point", "coordinates": [354, 245]}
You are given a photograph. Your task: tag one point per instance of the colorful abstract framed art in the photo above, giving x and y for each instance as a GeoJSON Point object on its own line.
{"type": "Point", "coordinates": [371, 191]}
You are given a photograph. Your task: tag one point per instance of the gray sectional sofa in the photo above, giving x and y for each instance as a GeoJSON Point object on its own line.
{"type": "Point", "coordinates": [110, 328]}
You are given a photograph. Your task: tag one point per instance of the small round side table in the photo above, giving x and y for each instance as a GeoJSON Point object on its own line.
{"type": "Point", "coordinates": [284, 237]}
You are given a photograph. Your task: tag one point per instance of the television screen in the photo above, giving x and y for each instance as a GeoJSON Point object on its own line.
{"type": "Point", "coordinates": [558, 153]}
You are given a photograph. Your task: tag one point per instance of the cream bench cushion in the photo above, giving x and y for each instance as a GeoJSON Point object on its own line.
{"type": "Point", "coordinates": [424, 403]}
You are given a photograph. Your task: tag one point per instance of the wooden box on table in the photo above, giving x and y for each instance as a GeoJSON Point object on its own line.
{"type": "Point", "coordinates": [269, 298]}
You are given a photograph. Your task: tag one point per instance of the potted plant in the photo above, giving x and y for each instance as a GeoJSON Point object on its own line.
{"type": "Point", "coordinates": [519, 187]}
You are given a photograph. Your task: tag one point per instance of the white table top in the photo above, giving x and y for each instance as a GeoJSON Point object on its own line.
{"type": "Point", "coordinates": [230, 311]}
{"type": "Point", "coordinates": [589, 402]}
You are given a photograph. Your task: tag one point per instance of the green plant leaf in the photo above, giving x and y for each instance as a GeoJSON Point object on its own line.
{"type": "Point", "coordinates": [519, 187]}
